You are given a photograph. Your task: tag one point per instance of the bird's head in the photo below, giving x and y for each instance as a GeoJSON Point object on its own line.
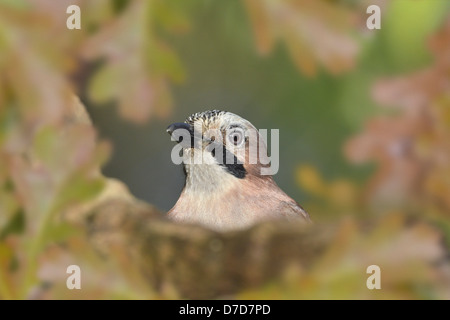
{"type": "Point", "coordinates": [219, 145]}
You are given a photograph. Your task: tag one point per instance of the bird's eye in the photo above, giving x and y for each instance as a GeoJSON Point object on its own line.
{"type": "Point", "coordinates": [236, 137]}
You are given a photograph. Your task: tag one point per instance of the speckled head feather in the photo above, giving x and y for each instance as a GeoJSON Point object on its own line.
{"type": "Point", "coordinates": [205, 116]}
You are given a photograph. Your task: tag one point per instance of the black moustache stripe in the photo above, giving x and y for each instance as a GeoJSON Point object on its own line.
{"type": "Point", "coordinates": [236, 170]}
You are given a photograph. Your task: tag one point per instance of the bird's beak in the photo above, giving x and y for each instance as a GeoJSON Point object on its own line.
{"type": "Point", "coordinates": [181, 132]}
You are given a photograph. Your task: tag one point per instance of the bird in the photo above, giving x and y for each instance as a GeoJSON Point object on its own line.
{"type": "Point", "coordinates": [225, 188]}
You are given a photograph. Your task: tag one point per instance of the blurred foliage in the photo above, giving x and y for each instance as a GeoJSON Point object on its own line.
{"type": "Point", "coordinates": [404, 252]}
{"type": "Point", "coordinates": [408, 34]}
{"type": "Point", "coordinates": [410, 146]}
{"type": "Point", "coordinates": [132, 51]}
{"type": "Point", "coordinates": [340, 196]}
{"type": "Point", "coordinates": [50, 155]}
{"type": "Point", "coordinates": [315, 32]}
